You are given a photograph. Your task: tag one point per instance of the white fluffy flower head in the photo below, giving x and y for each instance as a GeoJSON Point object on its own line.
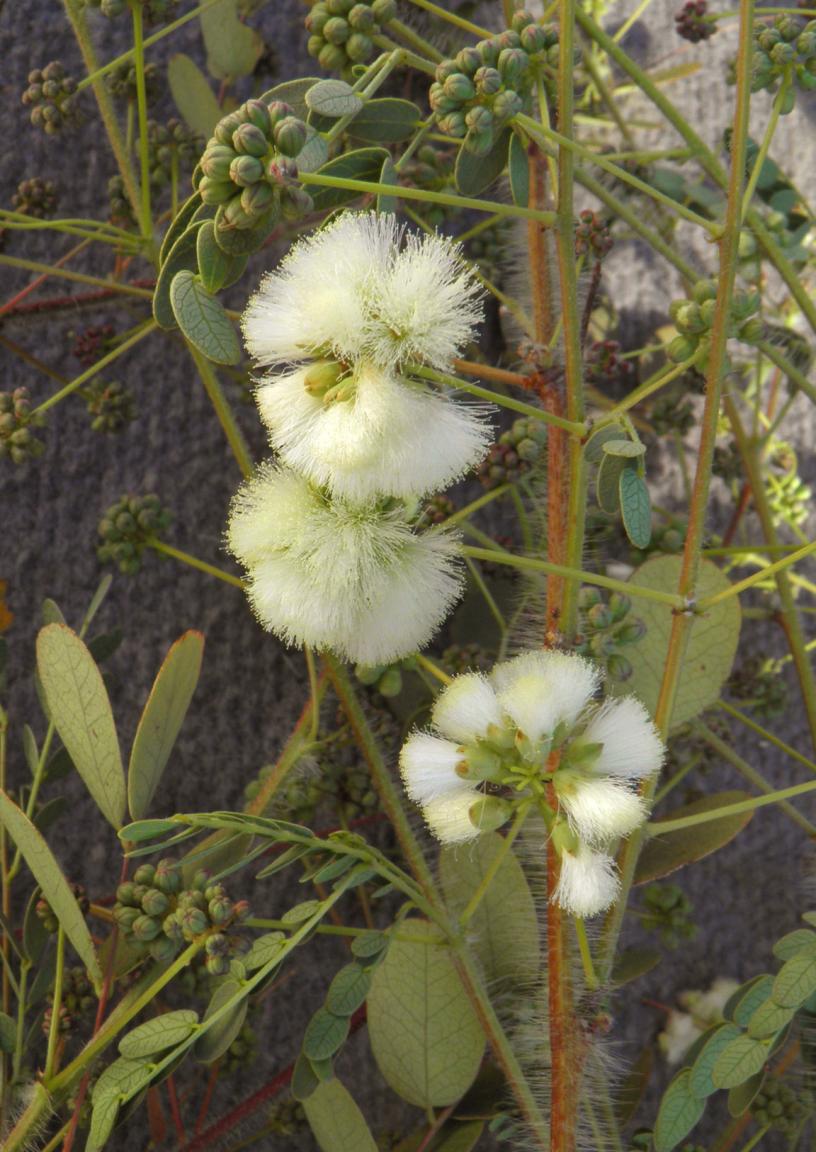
{"type": "Point", "coordinates": [356, 579]}
{"type": "Point", "coordinates": [361, 289]}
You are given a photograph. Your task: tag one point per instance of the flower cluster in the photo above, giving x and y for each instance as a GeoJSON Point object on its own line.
{"type": "Point", "coordinates": [785, 49]}
{"type": "Point", "coordinates": [17, 441]}
{"type": "Point", "coordinates": [168, 145]}
{"type": "Point", "coordinates": [121, 81]}
{"type": "Point", "coordinates": [36, 197]}
{"type": "Point", "coordinates": [693, 23]}
{"type": "Point", "coordinates": [530, 733]}
{"type": "Point", "coordinates": [249, 167]}
{"type": "Point", "coordinates": [121, 210]}
{"type": "Point", "coordinates": [328, 537]}
{"type": "Point", "coordinates": [126, 528]}
{"type": "Point", "coordinates": [693, 319]}
{"type": "Point", "coordinates": [155, 11]}
{"type": "Point", "coordinates": [607, 626]}
{"type": "Point", "coordinates": [110, 405]}
{"type": "Point", "coordinates": [516, 453]}
{"type": "Point", "coordinates": [592, 235]}
{"type": "Point", "coordinates": [341, 31]}
{"type": "Point", "coordinates": [476, 93]}
{"type": "Point", "coordinates": [50, 95]}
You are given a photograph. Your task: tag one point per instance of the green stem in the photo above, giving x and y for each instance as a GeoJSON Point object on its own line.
{"type": "Point", "coordinates": [313, 692]}
{"type": "Point", "coordinates": [475, 505]}
{"type": "Point", "coordinates": [452, 18]}
{"type": "Point", "coordinates": [76, 16]}
{"type": "Point", "coordinates": [374, 188]}
{"type": "Point", "coordinates": [757, 578]}
{"type": "Point", "coordinates": [79, 277]}
{"type": "Point", "coordinates": [414, 39]}
{"type": "Point", "coordinates": [658, 827]}
{"type": "Point", "coordinates": [234, 435]}
{"type": "Point", "coordinates": [532, 564]}
{"type": "Point", "coordinates": [487, 596]}
{"type": "Point", "coordinates": [660, 380]}
{"type": "Point", "coordinates": [574, 427]}
{"type": "Point", "coordinates": [791, 371]}
{"type": "Point", "coordinates": [766, 735]}
{"type": "Point", "coordinates": [144, 330]}
{"type": "Point", "coordinates": [590, 975]}
{"type": "Point", "coordinates": [194, 562]}
{"type": "Point", "coordinates": [767, 138]}
{"type": "Point", "coordinates": [750, 773]}
{"type": "Point", "coordinates": [56, 1006]}
{"type": "Point", "coordinates": [141, 104]}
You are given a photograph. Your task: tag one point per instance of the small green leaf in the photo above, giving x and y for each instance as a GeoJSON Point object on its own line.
{"type": "Point", "coordinates": [159, 1034]}
{"type": "Point", "coordinates": [388, 175]}
{"type": "Point", "coordinates": [337, 867]}
{"type": "Point", "coordinates": [214, 1042]}
{"type": "Point", "coordinates": [55, 888]}
{"type": "Point", "coordinates": [293, 93]}
{"type": "Point", "coordinates": [30, 749]}
{"type": "Point", "coordinates": [304, 1079]}
{"type": "Point", "coordinates": [237, 242]}
{"type": "Point", "coordinates": [233, 48]}
{"type": "Point", "coordinates": [666, 852]}
{"type": "Point", "coordinates": [348, 990]}
{"type": "Point", "coordinates": [739, 1060]}
{"type": "Point", "coordinates": [475, 173]}
{"type": "Point", "coordinates": [141, 830]}
{"type": "Point", "coordinates": [203, 320]}
{"type": "Point", "coordinates": [748, 999]}
{"type": "Point", "coordinates": [8, 1033]}
{"type": "Point", "coordinates": [369, 944]}
{"type": "Point", "coordinates": [192, 95]}
{"type": "Point", "coordinates": [301, 912]}
{"type": "Point", "coordinates": [324, 1034]}
{"type": "Point", "coordinates": [607, 484]}
{"type": "Point", "coordinates": [505, 912]}
{"type": "Point", "coordinates": [629, 449]}
{"type": "Point", "coordinates": [796, 980]}
{"type": "Point", "coordinates": [51, 612]}
{"type": "Point", "coordinates": [162, 719]}
{"type": "Point", "coordinates": [458, 1137]}
{"type": "Point", "coordinates": [386, 121]}
{"type": "Point", "coordinates": [314, 153]}
{"type": "Point", "coordinates": [800, 940]}
{"type": "Point", "coordinates": [594, 445]}
{"type": "Point", "coordinates": [701, 1081]}
{"type": "Point", "coordinates": [679, 1111]}
{"type": "Point", "coordinates": [742, 1097]}
{"type": "Point", "coordinates": [79, 706]}
{"type": "Point", "coordinates": [122, 1080]}
{"type": "Point", "coordinates": [519, 171]}
{"type": "Point", "coordinates": [712, 643]}
{"type": "Point", "coordinates": [631, 1090]}
{"type": "Point", "coordinates": [217, 268]}
{"type": "Point", "coordinates": [769, 1019]}
{"type": "Point", "coordinates": [182, 257]}
{"type": "Point", "coordinates": [337, 1123]}
{"type": "Point", "coordinates": [636, 510]}
{"type": "Point", "coordinates": [333, 98]}
{"type": "Point", "coordinates": [263, 950]}
{"type": "Point", "coordinates": [424, 1032]}
{"type": "Point", "coordinates": [361, 164]}
{"type": "Point", "coordinates": [633, 963]}
{"type": "Point", "coordinates": [103, 1118]}
{"type": "Point", "coordinates": [179, 225]}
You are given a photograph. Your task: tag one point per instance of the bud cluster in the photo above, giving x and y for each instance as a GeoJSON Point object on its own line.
{"type": "Point", "coordinates": [785, 48]}
{"type": "Point", "coordinates": [121, 210]}
{"type": "Point", "coordinates": [781, 1107]}
{"type": "Point", "coordinates": [488, 249]}
{"type": "Point", "coordinates": [46, 915]}
{"type": "Point", "coordinates": [438, 509]}
{"type": "Point", "coordinates": [606, 368]}
{"type": "Point", "coordinates": [17, 441]}
{"type": "Point", "coordinates": [668, 911]}
{"type": "Point", "coordinates": [383, 678]}
{"type": "Point", "coordinates": [36, 197]}
{"type": "Point", "coordinates": [475, 94]}
{"type": "Point", "coordinates": [515, 454]}
{"type": "Point", "coordinates": [592, 235]}
{"type": "Point", "coordinates": [693, 23]}
{"type": "Point", "coordinates": [110, 405]}
{"type": "Point", "coordinates": [667, 539]}
{"type": "Point", "coordinates": [693, 319]}
{"type": "Point", "coordinates": [155, 912]}
{"type": "Point", "coordinates": [50, 95]}
{"type": "Point", "coordinates": [758, 685]}
{"type": "Point", "coordinates": [92, 343]}
{"type": "Point", "coordinates": [606, 626]}
{"type": "Point", "coordinates": [121, 81]}
{"type": "Point", "coordinates": [341, 32]}
{"type": "Point", "coordinates": [248, 167]}
{"type": "Point", "coordinates": [169, 144]}
{"type": "Point", "coordinates": [155, 11]}
{"type": "Point", "coordinates": [77, 1000]}
{"type": "Point", "coordinates": [126, 528]}
{"type": "Point", "coordinates": [672, 411]}
{"type": "Point", "coordinates": [458, 658]}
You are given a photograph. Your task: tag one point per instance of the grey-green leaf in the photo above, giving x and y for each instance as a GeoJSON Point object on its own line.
{"type": "Point", "coordinates": [103, 1118]}
{"type": "Point", "coordinates": [182, 257]}
{"type": "Point", "coordinates": [333, 98]}
{"type": "Point", "coordinates": [55, 888]}
{"type": "Point", "coordinates": [79, 706]}
{"type": "Point", "coordinates": [629, 449]}
{"type": "Point", "coordinates": [796, 980]}
{"type": "Point", "coordinates": [505, 913]}
{"type": "Point", "coordinates": [475, 173]}
{"type": "Point", "coordinates": [179, 225]}
{"type": "Point", "coordinates": [324, 1034]}
{"type": "Point", "coordinates": [348, 990]}
{"type": "Point", "coordinates": [607, 483]}
{"type": "Point", "coordinates": [750, 997]}
{"type": "Point", "coordinates": [636, 510]}
{"type": "Point", "coordinates": [769, 1019]}
{"type": "Point", "coordinates": [293, 93]}
{"type": "Point", "coordinates": [159, 1034]}
{"type": "Point", "coordinates": [214, 1042]}
{"type": "Point", "coordinates": [594, 445]}
{"type": "Point", "coordinates": [203, 320]}
{"type": "Point", "coordinates": [388, 175]}
{"type": "Point", "coordinates": [800, 940]}
{"type": "Point", "coordinates": [233, 48]}
{"type": "Point", "coordinates": [264, 949]}
{"type": "Point", "coordinates": [679, 1111]}
{"type": "Point", "coordinates": [337, 1123]}
{"type": "Point", "coordinates": [424, 1032]}
{"type": "Point", "coordinates": [122, 1080]}
{"type": "Point", "coordinates": [665, 852]}
{"type": "Point", "coordinates": [386, 121]}
{"type": "Point", "coordinates": [162, 719]}
{"type": "Point", "coordinates": [739, 1060]}
{"type": "Point", "coordinates": [216, 267]}
{"type": "Point", "coordinates": [361, 164]}
{"type": "Point", "coordinates": [711, 647]}
{"type": "Point", "coordinates": [701, 1081]}
{"type": "Point", "coordinates": [192, 95]}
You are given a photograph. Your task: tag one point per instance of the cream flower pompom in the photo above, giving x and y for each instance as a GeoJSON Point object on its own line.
{"type": "Point", "coordinates": [587, 883]}
{"type": "Point", "coordinates": [466, 708]}
{"type": "Point", "coordinates": [349, 290]}
{"type": "Point", "coordinates": [632, 747]}
{"type": "Point", "coordinates": [541, 690]}
{"type": "Point", "coordinates": [428, 765]}
{"type": "Point", "coordinates": [448, 817]}
{"type": "Point", "coordinates": [355, 579]}
{"type": "Point", "coordinates": [388, 438]}
{"type": "Point", "coordinates": [599, 809]}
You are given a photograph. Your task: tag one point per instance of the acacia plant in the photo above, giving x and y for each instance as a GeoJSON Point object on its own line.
{"type": "Point", "coordinates": [445, 164]}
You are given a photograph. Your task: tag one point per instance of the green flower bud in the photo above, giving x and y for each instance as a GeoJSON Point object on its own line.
{"type": "Point", "coordinates": [257, 199]}
{"type": "Point", "coordinates": [362, 18]}
{"type": "Point", "coordinates": [126, 894]}
{"type": "Point", "coordinates": [459, 87]}
{"type": "Point", "coordinates": [479, 119]}
{"type": "Point", "coordinates": [453, 124]}
{"type": "Point", "coordinates": [258, 115]}
{"type": "Point", "coordinates": [125, 917]}
{"type": "Point", "coordinates": [317, 381]}
{"type": "Point", "coordinates": [682, 348]}
{"type": "Point", "coordinates": [708, 310]}
{"type": "Point", "coordinates": [220, 910]}
{"type": "Point", "coordinates": [340, 7]}
{"type": "Point", "coordinates": [194, 923]}
{"type": "Point", "coordinates": [217, 965]}
{"type": "Point", "coordinates": [490, 813]}
{"type": "Point", "coordinates": [162, 949]}
{"type": "Point", "coordinates": [704, 290]}
{"type": "Point", "coordinates": [168, 876]}
{"type": "Point", "coordinates": [336, 31]}
{"type": "Point", "coordinates": [226, 126]}
{"type": "Point", "coordinates": [444, 69]}
{"type": "Point", "coordinates": [440, 103]}
{"type": "Point", "coordinates": [752, 331]}
{"type": "Point", "coordinates": [232, 215]}
{"type": "Point", "coordinates": [144, 874]}
{"type": "Point", "coordinates": [513, 65]}
{"type": "Point", "coordinates": [332, 57]}
{"type": "Point", "coordinates": [618, 667]}
{"type": "Point", "coordinates": [359, 47]}
{"type": "Point", "coordinates": [488, 81]}
{"type": "Point", "coordinates": [250, 140]}
{"type": "Point", "coordinates": [145, 929]}
{"type": "Point", "coordinates": [391, 683]}
{"type": "Point", "coordinates": [246, 170]}
{"type": "Point", "coordinates": [507, 104]}
{"type": "Point", "coordinates": [290, 136]}
{"type": "Point", "coordinates": [630, 633]}
{"type": "Point", "coordinates": [468, 60]}
{"type": "Point", "coordinates": [317, 18]}
{"type": "Point", "coordinates": [296, 203]}
{"type": "Point", "coordinates": [384, 10]}
{"type": "Point", "coordinates": [533, 39]}
{"type": "Point", "coordinates": [619, 606]}
{"type": "Point", "coordinates": [154, 902]}
{"type": "Point", "coordinates": [215, 191]}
